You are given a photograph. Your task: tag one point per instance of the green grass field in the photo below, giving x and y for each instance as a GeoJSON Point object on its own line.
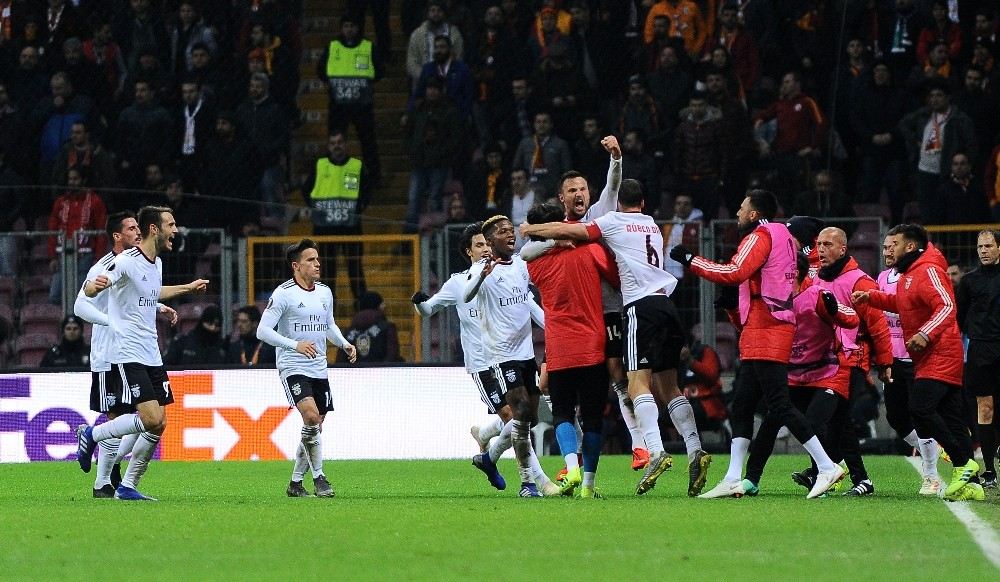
{"type": "Point", "coordinates": [440, 520]}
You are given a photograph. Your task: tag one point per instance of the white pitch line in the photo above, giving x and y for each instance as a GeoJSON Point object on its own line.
{"type": "Point", "coordinates": [981, 531]}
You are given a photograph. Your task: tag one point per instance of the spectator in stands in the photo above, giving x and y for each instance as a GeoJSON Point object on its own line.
{"type": "Point", "coordinates": [876, 110]}
{"type": "Point", "coordinates": [518, 18]}
{"type": "Point", "coordinates": [589, 156]}
{"type": "Point", "coordinates": [83, 75]}
{"type": "Point", "coordinates": [740, 44]}
{"type": "Point", "coordinates": [339, 189]}
{"type": "Point", "coordinates": [544, 156]}
{"type": "Point", "coordinates": [280, 65]}
{"type": "Point", "coordinates": [961, 195]}
{"type": "Point", "coordinates": [420, 49]}
{"type": "Point", "coordinates": [71, 351]}
{"type": "Point", "coordinates": [941, 29]}
{"type": "Point", "coordinates": [150, 68]}
{"type": "Point", "coordinates": [231, 174]}
{"type": "Point", "coordinates": [700, 376]}
{"type": "Point", "coordinates": [546, 36]}
{"type": "Point", "coordinates": [670, 86]}
{"type": "Point", "coordinates": [264, 122]}
{"type": "Point", "coordinates": [602, 69]}
{"type": "Point", "coordinates": [983, 59]}
{"type": "Point", "coordinates": [15, 198]}
{"type": "Point", "coordinates": [79, 208]}
{"type": "Point", "coordinates": [246, 349]}
{"type": "Point", "coordinates": [194, 123]}
{"type": "Point", "coordinates": [639, 165]}
{"type": "Point", "coordinates": [455, 75]}
{"type": "Point", "coordinates": [937, 65]}
{"type": "Point", "coordinates": [202, 346]}
{"type": "Point", "coordinates": [737, 132]}
{"type": "Point", "coordinates": [54, 116]}
{"type": "Point", "coordinates": [899, 36]}
{"type": "Point", "coordinates": [350, 66]}
{"type": "Point", "coordinates": [143, 130]}
{"type": "Point", "coordinates": [138, 30]}
{"type": "Point", "coordinates": [980, 106]}
{"type": "Point", "coordinates": [661, 39]}
{"type": "Point", "coordinates": [686, 22]}
{"type": "Point", "coordinates": [210, 80]}
{"type": "Point", "coordinates": [991, 183]}
{"type": "Point", "coordinates": [63, 22]}
{"type": "Point", "coordinates": [933, 135]}
{"type": "Point", "coordinates": [102, 50]}
{"type": "Point", "coordinates": [562, 90]}
{"type": "Point", "coordinates": [486, 183]}
{"type": "Point", "coordinates": [639, 113]}
{"type": "Point", "coordinates": [699, 154]}
{"type": "Point", "coordinates": [28, 83]}
{"type": "Point", "coordinates": [800, 133]}
{"type": "Point", "coordinates": [380, 16]}
{"type": "Point", "coordinates": [493, 58]}
{"type": "Point", "coordinates": [825, 199]}
{"type": "Point", "coordinates": [517, 201]}
{"type": "Point", "coordinates": [679, 231]}
{"type": "Point", "coordinates": [514, 118]}
{"type": "Point", "coordinates": [81, 152]}
{"type": "Point", "coordinates": [372, 333]}
{"type": "Point", "coordinates": [187, 31]}
{"type": "Point", "coordinates": [985, 30]}
{"type": "Point", "coordinates": [431, 142]}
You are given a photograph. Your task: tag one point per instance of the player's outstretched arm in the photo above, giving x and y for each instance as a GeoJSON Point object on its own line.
{"type": "Point", "coordinates": [477, 274]}
{"type": "Point", "coordinates": [608, 202]}
{"type": "Point", "coordinates": [84, 308]}
{"type": "Point", "coordinates": [447, 296]}
{"type": "Point", "coordinates": [168, 292]}
{"type": "Point", "coordinates": [556, 230]}
{"type": "Point", "coordinates": [534, 249]}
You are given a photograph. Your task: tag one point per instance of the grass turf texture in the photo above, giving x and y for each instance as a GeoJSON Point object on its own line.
{"type": "Point", "coordinates": [441, 520]}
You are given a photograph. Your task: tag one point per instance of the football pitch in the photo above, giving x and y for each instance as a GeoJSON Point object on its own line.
{"type": "Point", "coordinates": [440, 520]}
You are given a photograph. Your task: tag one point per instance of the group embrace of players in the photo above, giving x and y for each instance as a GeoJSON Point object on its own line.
{"type": "Point", "coordinates": [812, 326]}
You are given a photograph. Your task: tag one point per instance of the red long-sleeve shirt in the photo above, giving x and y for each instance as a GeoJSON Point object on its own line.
{"type": "Point", "coordinates": [801, 124]}
{"type": "Point", "coordinates": [78, 211]}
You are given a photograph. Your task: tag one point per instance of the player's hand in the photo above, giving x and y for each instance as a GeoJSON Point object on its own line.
{"type": "Point", "coordinates": [352, 353]}
{"type": "Point", "coordinates": [859, 297]}
{"type": "Point", "coordinates": [491, 262]}
{"type": "Point", "coordinates": [524, 229]}
{"type": "Point", "coordinates": [419, 297]}
{"type": "Point", "coordinates": [198, 286]}
{"type": "Point", "coordinates": [830, 303]}
{"type": "Point", "coordinates": [101, 283]}
{"type": "Point", "coordinates": [885, 374]}
{"type": "Point", "coordinates": [610, 144]}
{"type": "Point", "coordinates": [565, 244]}
{"type": "Point", "coordinates": [682, 255]}
{"type": "Point", "coordinates": [171, 313]}
{"type": "Point", "coordinates": [916, 344]}
{"type": "Point", "coordinates": [307, 349]}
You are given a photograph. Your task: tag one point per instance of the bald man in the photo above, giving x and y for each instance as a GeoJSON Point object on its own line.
{"type": "Point", "coordinates": [841, 274]}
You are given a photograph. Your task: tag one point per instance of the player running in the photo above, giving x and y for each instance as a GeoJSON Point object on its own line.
{"type": "Point", "coordinates": [136, 287]}
{"type": "Point", "coordinates": [302, 310]}
{"type": "Point", "coordinates": [654, 335]}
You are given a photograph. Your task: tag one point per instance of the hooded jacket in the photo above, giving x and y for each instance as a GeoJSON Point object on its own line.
{"type": "Point", "coordinates": [925, 302]}
{"type": "Point", "coordinates": [873, 334]}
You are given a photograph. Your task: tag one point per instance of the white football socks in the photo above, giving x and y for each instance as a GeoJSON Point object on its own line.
{"type": "Point", "coordinates": [301, 464]}
{"type": "Point", "coordinates": [314, 448]}
{"type": "Point", "coordinates": [521, 437]}
{"type": "Point", "coordinates": [119, 427]}
{"type": "Point", "coordinates": [128, 442]}
{"type": "Point", "coordinates": [634, 432]}
{"type": "Point", "coordinates": [490, 429]}
{"type": "Point", "coordinates": [738, 455]}
{"type": "Point", "coordinates": [142, 452]}
{"type": "Point", "coordinates": [912, 439]}
{"type": "Point", "coordinates": [649, 421]}
{"type": "Point", "coordinates": [541, 479]}
{"type": "Point", "coordinates": [107, 453]}
{"type": "Point", "coordinates": [928, 457]}
{"type": "Point", "coordinates": [682, 415]}
{"type": "Point", "coordinates": [815, 449]}
{"type": "Point", "coordinates": [500, 444]}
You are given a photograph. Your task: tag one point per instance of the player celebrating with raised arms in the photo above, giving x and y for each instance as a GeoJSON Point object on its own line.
{"type": "Point", "coordinates": [135, 281]}
{"type": "Point", "coordinates": [302, 311]}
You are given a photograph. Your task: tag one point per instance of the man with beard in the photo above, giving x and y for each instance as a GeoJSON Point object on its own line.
{"type": "Point", "coordinates": [246, 349]}
{"type": "Point", "coordinates": [764, 268]}
{"type": "Point", "coordinates": [202, 345]}
{"type": "Point", "coordinates": [926, 306]}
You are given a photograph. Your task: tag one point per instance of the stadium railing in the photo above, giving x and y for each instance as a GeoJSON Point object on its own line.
{"type": "Point", "coordinates": [958, 242]}
{"type": "Point", "coordinates": [391, 265]}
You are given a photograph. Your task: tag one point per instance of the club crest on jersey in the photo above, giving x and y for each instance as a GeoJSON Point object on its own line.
{"type": "Point", "coordinates": [296, 389]}
{"type": "Point", "coordinates": [495, 398]}
{"type": "Point", "coordinates": [908, 281]}
{"type": "Point", "coordinates": [110, 400]}
{"type": "Point", "coordinates": [134, 388]}
{"type": "Point", "coordinates": [510, 375]}
{"type": "Point", "coordinates": [324, 305]}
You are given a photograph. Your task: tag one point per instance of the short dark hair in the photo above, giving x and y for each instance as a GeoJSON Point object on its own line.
{"type": "Point", "coordinates": [630, 193]}
{"type": "Point", "coordinates": [251, 311]}
{"type": "Point", "coordinates": [699, 95]}
{"type": "Point", "coordinates": [490, 224]}
{"type": "Point", "coordinates": [764, 202]}
{"type": "Point", "coordinates": [444, 38]}
{"type": "Point", "coordinates": [568, 176]}
{"type": "Point", "coordinates": [115, 222]}
{"type": "Point", "coordinates": [201, 46]}
{"type": "Point", "coordinates": [469, 233]}
{"type": "Point", "coordinates": [293, 252]}
{"type": "Point", "coordinates": [994, 233]}
{"type": "Point", "coordinates": [911, 232]}
{"type": "Point", "coordinates": [801, 267]}
{"type": "Point", "coordinates": [542, 213]}
{"type": "Point", "coordinates": [151, 216]}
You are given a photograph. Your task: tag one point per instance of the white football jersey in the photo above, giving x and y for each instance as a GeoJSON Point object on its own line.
{"type": "Point", "coordinates": [100, 339]}
{"type": "Point", "coordinates": [450, 295]}
{"type": "Point", "coordinates": [300, 315]}
{"type": "Point", "coordinates": [637, 243]}
{"type": "Point", "coordinates": [504, 303]}
{"type": "Point", "coordinates": [135, 291]}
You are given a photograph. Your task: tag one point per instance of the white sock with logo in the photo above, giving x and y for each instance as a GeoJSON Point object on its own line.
{"type": "Point", "coordinates": [500, 444]}
{"type": "Point", "coordinates": [142, 453]}
{"type": "Point", "coordinates": [106, 455]}
{"type": "Point", "coordinates": [118, 427]}
{"type": "Point", "coordinates": [649, 421]}
{"type": "Point", "coordinates": [682, 415]}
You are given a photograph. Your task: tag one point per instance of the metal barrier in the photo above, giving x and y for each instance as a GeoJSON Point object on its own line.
{"type": "Point", "coordinates": [958, 242]}
{"type": "Point", "coordinates": [388, 264]}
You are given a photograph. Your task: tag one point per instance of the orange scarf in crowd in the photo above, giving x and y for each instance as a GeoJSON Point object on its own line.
{"type": "Point", "coordinates": [266, 54]}
{"type": "Point", "coordinates": [944, 71]}
{"type": "Point", "coordinates": [538, 158]}
{"type": "Point", "coordinates": [491, 188]}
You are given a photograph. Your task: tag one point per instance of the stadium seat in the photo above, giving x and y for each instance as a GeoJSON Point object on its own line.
{"type": "Point", "coordinates": [35, 289]}
{"type": "Point", "coordinates": [6, 322]}
{"type": "Point", "coordinates": [8, 290]}
{"type": "Point", "coordinates": [37, 318]}
{"type": "Point", "coordinates": [30, 349]}
{"type": "Point", "coordinates": [39, 260]}
{"type": "Point", "coordinates": [870, 210]}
